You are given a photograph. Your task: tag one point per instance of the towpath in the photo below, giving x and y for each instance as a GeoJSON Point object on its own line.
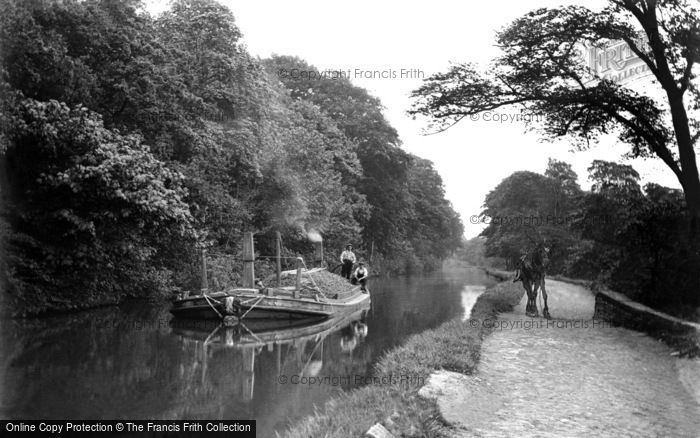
{"type": "Point", "coordinates": [571, 377]}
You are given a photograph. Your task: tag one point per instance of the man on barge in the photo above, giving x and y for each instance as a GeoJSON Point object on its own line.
{"type": "Point", "coordinates": [347, 258]}
{"type": "Point", "coordinates": [360, 276]}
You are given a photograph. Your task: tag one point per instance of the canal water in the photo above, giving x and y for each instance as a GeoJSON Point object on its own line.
{"type": "Point", "coordinates": [130, 362]}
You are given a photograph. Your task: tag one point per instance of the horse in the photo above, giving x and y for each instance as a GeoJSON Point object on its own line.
{"type": "Point", "coordinates": [531, 271]}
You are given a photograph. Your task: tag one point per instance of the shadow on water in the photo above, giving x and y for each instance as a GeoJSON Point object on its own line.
{"type": "Point", "coordinates": [131, 362]}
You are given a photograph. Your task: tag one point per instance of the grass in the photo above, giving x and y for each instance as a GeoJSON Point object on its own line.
{"type": "Point", "coordinates": [453, 346]}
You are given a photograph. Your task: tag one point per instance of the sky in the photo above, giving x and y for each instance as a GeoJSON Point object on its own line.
{"type": "Point", "coordinates": [422, 38]}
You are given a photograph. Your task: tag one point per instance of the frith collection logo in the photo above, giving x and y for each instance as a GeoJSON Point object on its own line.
{"type": "Point", "coordinates": [615, 61]}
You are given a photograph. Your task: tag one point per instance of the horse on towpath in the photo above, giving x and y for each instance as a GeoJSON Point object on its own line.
{"type": "Point", "coordinates": [531, 271]}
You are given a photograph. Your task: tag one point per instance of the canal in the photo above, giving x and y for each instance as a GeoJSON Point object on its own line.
{"type": "Point", "coordinates": [130, 362]}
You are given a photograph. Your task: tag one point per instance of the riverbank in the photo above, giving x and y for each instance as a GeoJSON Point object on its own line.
{"type": "Point", "coordinates": [392, 397]}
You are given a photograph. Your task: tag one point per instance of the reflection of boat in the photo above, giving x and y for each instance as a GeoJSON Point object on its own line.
{"type": "Point", "coordinates": [259, 333]}
{"type": "Point", "coordinates": [292, 343]}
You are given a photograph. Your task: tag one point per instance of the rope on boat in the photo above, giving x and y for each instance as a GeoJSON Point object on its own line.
{"type": "Point", "coordinates": [310, 276]}
{"type": "Point", "coordinates": [212, 298]}
{"type": "Point", "coordinates": [325, 298]}
{"type": "Point", "coordinates": [207, 298]}
{"type": "Point", "coordinates": [252, 307]}
{"type": "Point", "coordinates": [312, 279]}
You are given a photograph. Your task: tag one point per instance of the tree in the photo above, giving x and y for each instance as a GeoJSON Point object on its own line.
{"type": "Point", "coordinates": [402, 208]}
{"type": "Point", "coordinates": [619, 181]}
{"type": "Point", "coordinates": [93, 212]}
{"type": "Point", "coordinates": [566, 192]}
{"type": "Point", "coordinates": [435, 228]}
{"type": "Point", "coordinates": [383, 180]}
{"type": "Point", "coordinates": [514, 210]}
{"type": "Point", "coordinates": [103, 55]}
{"type": "Point", "coordinates": [562, 172]}
{"type": "Point", "coordinates": [602, 217]}
{"type": "Point", "coordinates": [522, 211]}
{"type": "Point", "coordinates": [541, 72]}
{"type": "Point", "coordinates": [303, 189]}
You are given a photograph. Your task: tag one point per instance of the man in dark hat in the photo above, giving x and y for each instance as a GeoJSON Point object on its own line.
{"type": "Point", "coordinates": [347, 258]}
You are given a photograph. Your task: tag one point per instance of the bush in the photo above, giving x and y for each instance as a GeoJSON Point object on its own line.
{"type": "Point", "coordinates": [94, 215]}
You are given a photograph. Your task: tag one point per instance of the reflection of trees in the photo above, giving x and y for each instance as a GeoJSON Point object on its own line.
{"type": "Point", "coordinates": [112, 364]}
{"type": "Point", "coordinates": [413, 306]}
{"type": "Point", "coordinates": [89, 365]}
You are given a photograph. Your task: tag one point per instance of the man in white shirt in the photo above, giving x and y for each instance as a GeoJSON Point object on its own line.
{"type": "Point", "coordinates": [360, 276]}
{"type": "Point", "coordinates": [347, 258]}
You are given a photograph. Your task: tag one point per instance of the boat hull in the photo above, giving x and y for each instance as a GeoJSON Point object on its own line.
{"type": "Point", "coordinates": [251, 304]}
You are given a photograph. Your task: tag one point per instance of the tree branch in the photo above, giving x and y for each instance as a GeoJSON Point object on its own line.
{"type": "Point", "coordinates": [660, 150]}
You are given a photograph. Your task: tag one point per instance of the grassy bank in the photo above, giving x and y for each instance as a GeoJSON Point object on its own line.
{"type": "Point", "coordinates": [453, 346]}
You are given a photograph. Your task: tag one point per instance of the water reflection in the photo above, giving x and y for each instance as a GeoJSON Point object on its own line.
{"type": "Point", "coordinates": [130, 362]}
{"type": "Point", "coordinates": [297, 346]}
{"type": "Point", "coordinates": [469, 295]}
{"type": "Point", "coordinates": [352, 334]}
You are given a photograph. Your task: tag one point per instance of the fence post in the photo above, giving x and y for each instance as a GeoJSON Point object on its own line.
{"type": "Point", "coordinates": [248, 261]}
{"type": "Point", "coordinates": [279, 258]}
{"type": "Point", "coordinates": [205, 283]}
{"type": "Point", "coordinates": [297, 289]}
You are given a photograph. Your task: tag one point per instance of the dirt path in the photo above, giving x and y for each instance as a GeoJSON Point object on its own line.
{"type": "Point", "coordinates": [571, 377]}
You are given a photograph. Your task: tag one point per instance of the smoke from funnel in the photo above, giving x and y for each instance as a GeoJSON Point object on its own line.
{"type": "Point", "coordinates": [314, 236]}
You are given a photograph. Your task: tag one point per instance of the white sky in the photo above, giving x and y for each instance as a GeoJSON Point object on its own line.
{"type": "Point", "coordinates": [473, 156]}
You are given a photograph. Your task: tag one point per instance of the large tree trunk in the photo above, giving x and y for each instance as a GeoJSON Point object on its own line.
{"type": "Point", "coordinates": [686, 154]}
{"type": "Point", "coordinates": [692, 199]}
{"type": "Point", "coordinates": [688, 175]}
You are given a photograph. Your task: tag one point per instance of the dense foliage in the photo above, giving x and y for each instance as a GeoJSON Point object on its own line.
{"type": "Point", "coordinates": [635, 240]}
{"type": "Point", "coordinates": [130, 142]}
